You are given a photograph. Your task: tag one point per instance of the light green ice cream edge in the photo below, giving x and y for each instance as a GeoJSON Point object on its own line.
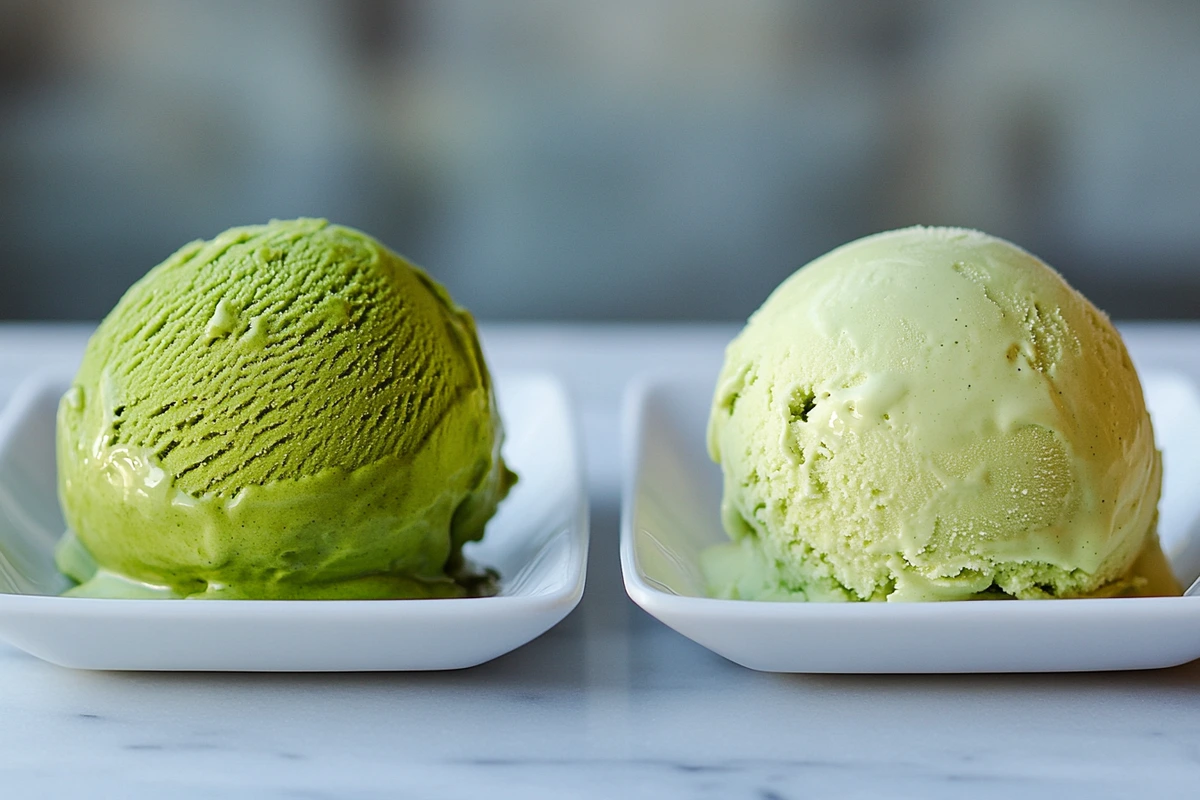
{"type": "Point", "coordinates": [931, 413]}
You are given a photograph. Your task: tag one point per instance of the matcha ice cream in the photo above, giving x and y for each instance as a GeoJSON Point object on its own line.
{"type": "Point", "coordinates": [932, 414]}
{"type": "Point", "coordinates": [287, 411]}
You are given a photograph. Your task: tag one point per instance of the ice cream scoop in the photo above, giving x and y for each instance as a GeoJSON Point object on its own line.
{"type": "Point", "coordinates": [933, 413]}
{"type": "Point", "coordinates": [287, 411]}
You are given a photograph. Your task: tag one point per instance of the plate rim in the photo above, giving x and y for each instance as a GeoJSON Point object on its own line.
{"type": "Point", "coordinates": [642, 590]}
{"type": "Point", "coordinates": [565, 596]}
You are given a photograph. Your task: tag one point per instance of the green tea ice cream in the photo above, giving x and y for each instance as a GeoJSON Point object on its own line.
{"type": "Point", "coordinates": [932, 414]}
{"type": "Point", "coordinates": [288, 411]}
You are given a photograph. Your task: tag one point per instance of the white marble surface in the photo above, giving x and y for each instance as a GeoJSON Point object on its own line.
{"type": "Point", "coordinates": [608, 704]}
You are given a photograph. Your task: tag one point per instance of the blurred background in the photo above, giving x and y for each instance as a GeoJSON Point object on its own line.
{"type": "Point", "coordinates": [628, 159]}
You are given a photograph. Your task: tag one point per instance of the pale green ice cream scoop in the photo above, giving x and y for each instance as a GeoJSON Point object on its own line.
{"type": "Point", "coordinates": [933, 413]}
{"type": "Point", "coordinates": [288, 411]}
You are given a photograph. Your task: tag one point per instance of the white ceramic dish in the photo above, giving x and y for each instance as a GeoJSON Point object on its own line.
{"type": "Point", "coordinates": [538, 543]}
{"type": "Point", "coordinates": [670, 513]}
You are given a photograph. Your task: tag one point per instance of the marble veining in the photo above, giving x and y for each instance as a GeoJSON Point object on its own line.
{"type": "Point", "coordinates": [609, 704]}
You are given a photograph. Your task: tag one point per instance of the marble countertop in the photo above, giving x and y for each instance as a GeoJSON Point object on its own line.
{"type": "Point", "coordinates": [608, 704]}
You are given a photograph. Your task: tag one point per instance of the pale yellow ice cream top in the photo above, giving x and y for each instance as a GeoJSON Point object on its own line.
{"type": "Point", "coordinates": [931, 413]}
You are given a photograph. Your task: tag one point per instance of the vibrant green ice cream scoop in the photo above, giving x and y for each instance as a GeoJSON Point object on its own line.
{"type": "Point", "coordinates": [933, 413]}
{"type": "Point", "coordinates": [288, 411]}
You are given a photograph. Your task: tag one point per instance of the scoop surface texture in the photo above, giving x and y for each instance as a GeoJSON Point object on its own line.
{"type": "Point", "coordinates": [932, 413]}
{"type": "Point", "coordinates": [287, 411]}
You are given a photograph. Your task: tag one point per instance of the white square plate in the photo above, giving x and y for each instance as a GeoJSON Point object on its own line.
{"type": "Point", "coordinates": [670, 509]}
{"type": "Point", "coordinates": [537, 542]}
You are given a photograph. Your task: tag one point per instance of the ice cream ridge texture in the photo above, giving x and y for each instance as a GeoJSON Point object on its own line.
{"type": "Point", "coordinates": [288, 411]}
{"type": "Point", "coordinates": [933, 414]}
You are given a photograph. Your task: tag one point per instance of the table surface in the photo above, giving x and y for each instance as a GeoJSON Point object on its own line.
{"type": "Point", "coordinates": [610, 703]}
